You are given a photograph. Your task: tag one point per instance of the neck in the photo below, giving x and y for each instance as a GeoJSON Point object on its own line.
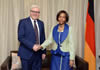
{"type": "Point", "coordinates": [32, 18]}
{"type": "Point", "coordinates": [61, 26]}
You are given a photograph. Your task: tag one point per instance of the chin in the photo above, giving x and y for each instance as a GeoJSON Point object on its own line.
{"type": "Point", "coordinates": [35, 18]}
{"type": "Point", "coordinates": [61, 23]}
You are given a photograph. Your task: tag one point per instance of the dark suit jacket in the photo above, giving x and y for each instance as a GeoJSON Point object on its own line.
{"type": "Point", "coordinates": [27, 39]}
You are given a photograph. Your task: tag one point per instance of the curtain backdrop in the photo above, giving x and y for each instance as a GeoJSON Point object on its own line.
{"type": "Point", "coordinates": [13, 10]}
{"type": "Point", "coordinates": [10, 13]}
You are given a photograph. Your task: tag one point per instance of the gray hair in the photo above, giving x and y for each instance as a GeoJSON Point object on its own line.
{"type": "Point", "coordinates": [34, 6]}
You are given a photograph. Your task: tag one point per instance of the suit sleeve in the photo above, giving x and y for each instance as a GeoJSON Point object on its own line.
{"type": "Point", "coordinates": [21, 36]}
{"type": "Point", "coordinates": [43, 39]}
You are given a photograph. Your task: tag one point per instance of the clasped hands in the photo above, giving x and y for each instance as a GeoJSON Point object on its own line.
{"type": "Point", "coordinates": [37, 47]}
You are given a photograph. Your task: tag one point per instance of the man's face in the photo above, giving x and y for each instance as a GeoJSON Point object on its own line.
{"type": "Point", "coordinates": [35, 13]}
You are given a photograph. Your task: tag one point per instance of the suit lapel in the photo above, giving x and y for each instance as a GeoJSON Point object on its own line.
{"type": "Point", "coordinates": [56, 34]}
{"type": "Point", "coordinates": [63, 36]}
{"type": "Point", "coordinates": [30, 24]}
{"type": "Point", "coordinates": [65, 33]}
{"type": "Point", "coordinates": [39, 25]}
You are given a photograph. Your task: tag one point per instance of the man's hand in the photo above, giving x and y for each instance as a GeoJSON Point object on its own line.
{"type": "Point", "coordinates": [43, 56]}
{"type": "Point", "coordinates": [36, 47]}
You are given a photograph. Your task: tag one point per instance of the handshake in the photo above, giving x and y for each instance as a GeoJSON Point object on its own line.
{"type": "Point", "coordinates": [37, 47]}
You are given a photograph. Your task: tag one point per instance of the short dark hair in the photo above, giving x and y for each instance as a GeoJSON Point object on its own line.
{"type": "Point", "coordinates": [62, 11]}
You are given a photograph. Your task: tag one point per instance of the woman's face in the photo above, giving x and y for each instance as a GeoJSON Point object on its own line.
{"type": "Point", "coordinates": [62, 18]}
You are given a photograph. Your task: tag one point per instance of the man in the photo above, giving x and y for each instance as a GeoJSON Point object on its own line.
{"type": "Point", "coordinates": [30, 33]}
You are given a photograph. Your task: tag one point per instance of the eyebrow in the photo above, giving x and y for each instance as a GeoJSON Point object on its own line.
{"type": "Point", "coordinates": [35, 11]}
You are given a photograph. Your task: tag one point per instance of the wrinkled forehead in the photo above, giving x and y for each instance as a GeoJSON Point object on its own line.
{"type": "Point", "coordinates": [35, 8]}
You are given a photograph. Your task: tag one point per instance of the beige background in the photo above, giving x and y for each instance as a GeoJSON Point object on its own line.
{"type": "Point", "coordinates": [13, 10]}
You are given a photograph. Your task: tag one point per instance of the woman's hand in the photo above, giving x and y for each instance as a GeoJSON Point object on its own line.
{"type": "Point", "coordinates": [43, 56]}
{"type": "Point", "coordinates": [37, 47]}
{"type": "Point", "coordinates": [71, 63]}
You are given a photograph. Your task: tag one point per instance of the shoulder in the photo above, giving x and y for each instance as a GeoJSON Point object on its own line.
{"type": "Point", "coordinates": [24, 19]}
{"type": "Point", "coordinates": [70, 30]}
{"type": "Point", "coordinates": [40, 21]}
{"type": "Point", "coordinates": [54, 28]}
{"type": "Point", "coordinates": [70, 27]}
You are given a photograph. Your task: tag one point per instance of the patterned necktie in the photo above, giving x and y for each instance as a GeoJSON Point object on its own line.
{"type": "Point", "coordinates": [36, 32]}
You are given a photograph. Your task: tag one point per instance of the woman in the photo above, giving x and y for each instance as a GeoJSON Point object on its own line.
{"type": "Point", "coordinates": [63, 52]}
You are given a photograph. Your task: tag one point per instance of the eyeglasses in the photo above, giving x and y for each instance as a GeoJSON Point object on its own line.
{"type": "Point", "coordinates": [35, 11]}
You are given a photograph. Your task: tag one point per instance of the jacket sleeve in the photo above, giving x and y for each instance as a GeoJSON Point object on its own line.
{"type": "Point", "coordinates": [43, 39]}
{"type": "Point", "coordinates": [21, 35]}
{"type": "Point", "coordinates": [71, 45]}
{"type": "Point", "coordinates": [48, 41]}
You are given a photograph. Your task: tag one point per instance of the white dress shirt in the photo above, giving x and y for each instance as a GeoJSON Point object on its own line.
{"type": "Point", "coordinates": [37, 27]}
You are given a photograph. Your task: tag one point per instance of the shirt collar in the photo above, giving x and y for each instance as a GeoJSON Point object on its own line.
{"type": "Point", "coordinates": [32, 20]}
